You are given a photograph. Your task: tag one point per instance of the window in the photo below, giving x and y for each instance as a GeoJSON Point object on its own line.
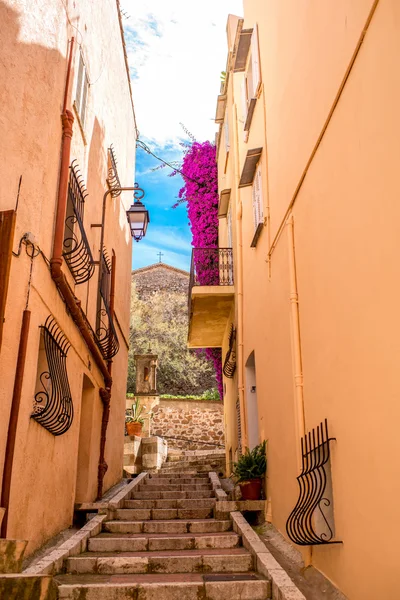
{"type": "Point", "coordinates": [252, 81]}
{"type": "Point", "coordinates": [82, 86]}
{"type": "Point", "coordinates": [226, 131]}
{"type": "Point", "coordinates": [258, 209]}
{"type": "Point", "coordinates": [229, 225]}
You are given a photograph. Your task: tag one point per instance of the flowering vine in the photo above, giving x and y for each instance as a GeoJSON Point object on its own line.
{"type": "Point", "coordinates": [200, 193]}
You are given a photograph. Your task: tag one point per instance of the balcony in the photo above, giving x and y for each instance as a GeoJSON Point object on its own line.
{"type": "Point", "coordinates": [211, 295]}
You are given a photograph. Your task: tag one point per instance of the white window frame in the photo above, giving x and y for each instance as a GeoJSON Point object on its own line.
{"type": "Point", "coordinates": [82, 90]}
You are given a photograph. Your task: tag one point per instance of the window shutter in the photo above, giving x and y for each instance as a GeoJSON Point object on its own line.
{"type": "Point", "coordinates": [227, 143]}
{"type": "Point", "coordinates": [255, 57]}
{"type": "Point", "coordinates": [244, 98]}
{"type": "Point", "coordinates": [229, 224]}
{"type": "Point", "coordinates": [258, 209]}
{"type": "Point", "coordinates": [78, 95]}
{"type": "Point", "coordinates": [84, 98]}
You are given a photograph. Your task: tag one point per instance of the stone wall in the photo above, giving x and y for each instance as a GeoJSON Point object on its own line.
{"type": "Point", "coordinates": [198, 424]}
{"type": "Point", "coordinates": [160, 277]}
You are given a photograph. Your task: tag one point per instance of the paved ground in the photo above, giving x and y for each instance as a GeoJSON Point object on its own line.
{"type": "Point", "coordinates": [311, 582]}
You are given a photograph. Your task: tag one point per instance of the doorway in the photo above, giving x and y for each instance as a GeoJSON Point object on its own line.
{"type": "Point", "coordinates": [85, 486]}
{"type": "Point", "coordinates": [251, 402]}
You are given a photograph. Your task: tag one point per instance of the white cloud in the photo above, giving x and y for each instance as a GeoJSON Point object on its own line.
{"type": "Point", "coordinates": [177, 50]}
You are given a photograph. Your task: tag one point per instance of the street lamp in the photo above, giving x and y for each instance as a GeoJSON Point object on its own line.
{"type": "Point", "coordinates": [137, 215]}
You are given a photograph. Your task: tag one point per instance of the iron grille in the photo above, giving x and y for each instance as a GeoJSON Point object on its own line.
{"type": "Point", "coordinates": [210, 266]}
{"type": "Point", "coordinates": [106, 335]}
{"type": "Point", "coordinates": [53, 407]}
{"type": "Point", "coordinates": [308, 523]}
{"type": "Point", "coordinates": [77, 253]}
{"type": "Point", "coordinates": [113, 177]}
{"type": "Point", "coordinates": [230, 358]}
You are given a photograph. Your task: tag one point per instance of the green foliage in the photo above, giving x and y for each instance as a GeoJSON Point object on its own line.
{"type": "Point", "coordinates": [133, 415]}
{"type": "Point", "coordinates": [252, 464]}
{"type": "Point", "coordinates": [160, 320]}
{"type": "Point", "coordinates": [211, 395]}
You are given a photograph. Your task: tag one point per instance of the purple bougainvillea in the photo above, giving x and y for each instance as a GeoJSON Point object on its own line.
{"type": "Point", "coordinates": [200, 193]}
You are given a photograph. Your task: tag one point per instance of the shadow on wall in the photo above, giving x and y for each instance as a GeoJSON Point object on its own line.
{"type": "Point", "coordinates": [31, 96]}
{"type": "Point", "coordinates": [24, 107]}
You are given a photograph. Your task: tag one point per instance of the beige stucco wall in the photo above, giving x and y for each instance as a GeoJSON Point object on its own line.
{"type": "Point", "coordinates": [346, 244]}
{"type": "Point", "coordinates": [35, 37]}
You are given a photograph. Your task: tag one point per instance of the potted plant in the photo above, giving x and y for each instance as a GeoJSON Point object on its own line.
{"type": "Point", "coordinates": [134, 422]}
{"type": "Point", "coordinates": [250, 470]}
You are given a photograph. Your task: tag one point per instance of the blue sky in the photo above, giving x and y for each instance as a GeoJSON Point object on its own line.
{"type": "Point", "coordinates": [176, 52]}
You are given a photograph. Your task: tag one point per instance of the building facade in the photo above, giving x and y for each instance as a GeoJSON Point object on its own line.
{"type": "Point", "coordinates": [68, 137]}
{"type": "Point", "coordinates": [305, 307]}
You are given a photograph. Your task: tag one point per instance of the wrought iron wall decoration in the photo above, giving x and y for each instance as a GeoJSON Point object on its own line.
{"type": "Point", "coordinates": [76, 252]}
{"type": "Point", "coordinates": [106, 335]}
{"type": "Point", "coordinates": [308, 523]}
{"type": "Point", "coordinates": [113, 177]}
{"type": "Point", "coordinates": [230, 358]}
{"type": "Point", "coordinates": [53, 407]}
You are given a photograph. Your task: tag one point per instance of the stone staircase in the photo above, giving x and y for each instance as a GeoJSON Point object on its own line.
{"type": "Point", "coordinates": [165, 544]}
{"type": "Point", "coordinates": [192, 462]}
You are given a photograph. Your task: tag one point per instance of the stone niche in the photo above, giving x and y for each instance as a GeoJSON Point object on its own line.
{"type": "Point", "coordinates": [146, 374]}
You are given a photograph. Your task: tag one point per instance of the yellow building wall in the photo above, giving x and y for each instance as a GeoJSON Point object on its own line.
{"type": "Point", "coordinates": [346, 244]}
{"type": "Point", "coordinates": [34, 49]}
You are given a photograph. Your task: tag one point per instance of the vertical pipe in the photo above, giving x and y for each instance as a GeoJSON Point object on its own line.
{"type": "Point", "coordinates": [239, 287]}
{"type": "Point", "coordinates": [294, 309]}
{"type": "Point", "coordinates": [297, 360]}
{"type": "Point", "coordinates": [105, 395]}
{"type": "Point", "coordinates": [13, 423]}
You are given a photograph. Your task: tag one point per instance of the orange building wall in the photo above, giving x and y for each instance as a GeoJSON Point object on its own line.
{"type": "Point", "coordinates": [346, 244]}
{"type": "Point", "coordinates": [34, 49]}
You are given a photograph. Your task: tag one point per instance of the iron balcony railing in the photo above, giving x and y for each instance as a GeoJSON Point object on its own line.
{"type": "Point", "coordinates": [76, 251]}
{"type": "Point", "coordinates": [210, 266]}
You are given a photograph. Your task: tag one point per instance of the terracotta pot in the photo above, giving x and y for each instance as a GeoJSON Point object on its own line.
{"type": "Point", "coordinates": [134, 429]}
{"type": "Point", "coordinates": [251, 490]}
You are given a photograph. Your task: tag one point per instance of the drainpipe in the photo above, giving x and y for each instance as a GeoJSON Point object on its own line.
{"type": "Point", "coordinates": [239, 287]}
{"type": "Point", "coordinates": [298, 367]}
{"type": "Point", "coordinates": [300, 420]}
{"type": "Point", "coordinates": [105, 395]}
{"type": "Point", "coordinates": [12, 426]}
{"type": "Point", "coordinates": [74, 305]}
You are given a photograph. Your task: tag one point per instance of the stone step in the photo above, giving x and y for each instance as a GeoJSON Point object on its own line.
{"type": "Point", "coordinates": [185, 586]}
{"type": "Point", "coordinates": [175, 488]}
{"type": "Point", "coordinates": [194, 458]}
{"type": "Point", "coordinates": [144, 514]}
{"type": "Point", "coordinates": [172, 495]}
{"type": "Point", "coordinates": [108, 542]}
{"type": "Point", "coordinates": [149, 504]}
{"type": "Point", "coordinates": [235, 560]}
{"type": "Point", "coordinates": [199, 469]}
{"type": "Point", "coordinates": [175, 480]}
{"type": "Point", "coordinates": [170, 527]}
{"type": "Point", "coordinates": [179, 475]}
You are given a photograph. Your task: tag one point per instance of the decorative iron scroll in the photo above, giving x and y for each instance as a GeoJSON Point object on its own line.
{"type": "Point", "coordinates": [77, 253]}
{"type": "Point", "coordinates": [53, 407]}
{"type": "Point", "coordinates": [113, 177]}
{"type": "Point", "coordinates": [106, 335]}
{"type": "Point", "coordinates": [230, 358]}
{"type": "Point", "coordinates": [311, 506]}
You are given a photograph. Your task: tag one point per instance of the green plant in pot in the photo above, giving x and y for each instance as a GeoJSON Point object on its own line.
{"type": "Point", "coordinates": [250, 470]}
{"type": "Point", "coordinates": [133, 420]}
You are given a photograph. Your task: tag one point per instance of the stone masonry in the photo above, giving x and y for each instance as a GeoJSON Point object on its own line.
{"type": "Point", "coordinates": [198, 424]}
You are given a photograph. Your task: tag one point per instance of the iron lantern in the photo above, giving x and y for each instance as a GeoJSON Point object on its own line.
{"type": "Point", "coordinates": [138, 216]}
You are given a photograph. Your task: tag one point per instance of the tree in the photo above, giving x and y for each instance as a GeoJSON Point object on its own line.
{"type": "Point", "coordinates": [161, 321]}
